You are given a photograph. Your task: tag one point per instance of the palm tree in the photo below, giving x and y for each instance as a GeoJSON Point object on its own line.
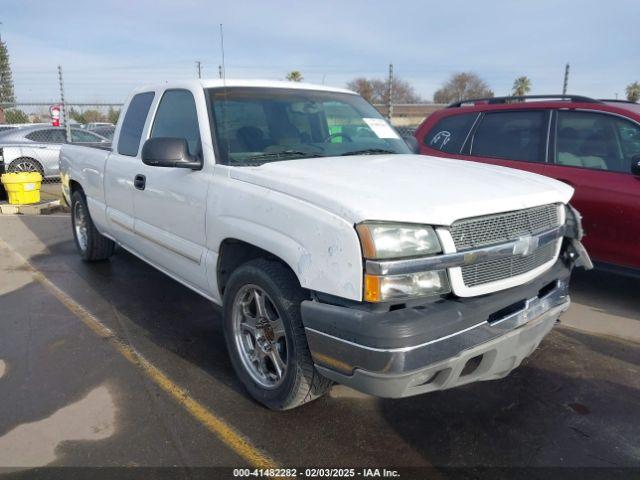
{"type": "Point", "coordinates": [633, 92]}
{"type": "Point", "coordinates": [521, 86]}
{"type": "Point", "coordinates": [295, 76]}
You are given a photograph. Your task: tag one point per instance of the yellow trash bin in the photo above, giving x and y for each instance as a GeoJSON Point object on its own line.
{"type": "Point", "coordinates": [22, 188]}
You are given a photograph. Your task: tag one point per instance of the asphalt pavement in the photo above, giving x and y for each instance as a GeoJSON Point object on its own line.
{"type": "Point", "coordinates": [115, 364]}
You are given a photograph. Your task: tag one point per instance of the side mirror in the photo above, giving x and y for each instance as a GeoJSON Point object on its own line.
{"type": "Point", "coordinates": [169, 152]}
{"type": "Point", "coordinates": [412, 143]}
{"type": "Point", "coordinates": [635, 165]}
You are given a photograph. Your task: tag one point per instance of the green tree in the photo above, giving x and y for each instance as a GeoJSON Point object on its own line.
{"type": "Point", "coordinates": [521, 86]}
{"type": "Point", "coordinates": [295, 76]}
{"type": "Point", "coordinates": [93, 115]}
{"type": "Point", "coordinates": [633, 92]}
{"type": "Point", "coordinates": [16, 116]}
{"type": "Point", "coordinates": [6, 80]}
{"type": "Point", "coordinates": [75, 115]}
{"type": "Point", "coordinates": [113, 115]}
{"type": "Point", "coordinates": [462, 86]}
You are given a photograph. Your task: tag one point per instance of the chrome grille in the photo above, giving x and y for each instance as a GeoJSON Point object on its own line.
{"type": "Point", "coordinates": [503, 227]}
{"type": "Point", "coordinates": [495, 270]}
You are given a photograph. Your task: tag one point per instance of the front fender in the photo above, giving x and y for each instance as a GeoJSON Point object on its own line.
{"type": "Point", "coordinates": [321, 248]}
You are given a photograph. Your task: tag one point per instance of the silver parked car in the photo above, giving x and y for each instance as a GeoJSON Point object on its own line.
{"type": "Point", "coordinates": [36, 148]}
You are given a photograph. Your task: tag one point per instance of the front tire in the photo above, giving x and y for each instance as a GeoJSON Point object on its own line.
{"type": "Point", "coordinates": [265, 336]}
{"type": "Point", "coordinates": [91, 245]}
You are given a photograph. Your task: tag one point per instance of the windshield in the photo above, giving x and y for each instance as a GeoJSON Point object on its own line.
{"type": "Point", "coordinates": [257, 125]}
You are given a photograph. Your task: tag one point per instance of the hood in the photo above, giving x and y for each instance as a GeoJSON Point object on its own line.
{"type": "Point", "coordinates": [405, 188]}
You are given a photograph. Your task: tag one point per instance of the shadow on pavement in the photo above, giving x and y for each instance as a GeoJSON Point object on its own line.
{"type": "Point", "coordinates": [607, 292]}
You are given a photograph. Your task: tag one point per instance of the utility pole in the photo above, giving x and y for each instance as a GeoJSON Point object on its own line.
{"type": "Point", "coordinates": [220, 71]}
{"type": "Point", "coordinates": [67, 127]}
{"type": "Point", "coordinates": [566, 79]}
{"type": "Point", "coordinates": [199, 68]}
{"type": "Point", "coordinates": [390, 99]}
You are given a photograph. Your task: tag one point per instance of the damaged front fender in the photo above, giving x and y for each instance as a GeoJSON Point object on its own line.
{"type": "Point", "coordinates": [574, 251]}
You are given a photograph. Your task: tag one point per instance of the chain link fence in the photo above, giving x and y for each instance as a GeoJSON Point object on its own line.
{"type": "Point", "coordinates": [31, 133]}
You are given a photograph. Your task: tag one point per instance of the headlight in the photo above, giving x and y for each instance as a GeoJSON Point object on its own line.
{"type": "Point", "coordinates": [382, 240]}
{"type": "Point", "coordinates": [573, 223]}
{"type": "Point", "coordinates": [395, 287]}
{"type": "Point", "coordinates": [388, 241]}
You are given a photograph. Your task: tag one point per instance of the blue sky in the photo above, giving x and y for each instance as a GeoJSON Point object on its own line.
{"type": "Point", "coordinates": [108, 47]}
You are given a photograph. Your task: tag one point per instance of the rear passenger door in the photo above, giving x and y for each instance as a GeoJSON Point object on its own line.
{"type": "Point", "coordinates": [593, 152]}
{"type": "Point", "coordinates": [516, 139]}
{"type": "Point", "coordinates": [122, 166]}
{"type": "Point", "coordinates": [47, 150]}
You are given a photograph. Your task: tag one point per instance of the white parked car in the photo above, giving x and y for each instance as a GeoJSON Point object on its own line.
{"type": "Point", "coordinates": [336, 254]}
{"type": "Point", "coordinates": [37, 148]}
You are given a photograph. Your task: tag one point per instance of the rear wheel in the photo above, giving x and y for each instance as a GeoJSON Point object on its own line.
{"type": "Point", "coordinates": [91, 245]}
{"type": "Point", "coordinates": [265, 336]}
{"type": "Point", "coordinates": [25, 165]}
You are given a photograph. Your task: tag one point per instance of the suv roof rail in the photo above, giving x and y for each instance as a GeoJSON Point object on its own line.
{"type": "Point", "coordinates": [615, 100]}
{"type": "Point", "coordinates": [494, 100]}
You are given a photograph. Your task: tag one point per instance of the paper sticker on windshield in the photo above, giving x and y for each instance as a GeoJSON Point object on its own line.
{"type": "Point", "coordinates": [381, 128]}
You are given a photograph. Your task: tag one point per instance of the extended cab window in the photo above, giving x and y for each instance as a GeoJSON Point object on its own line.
{"type": "Point", "coordinates": [177, 117]}
{"type": "Point", "coordinates": [449, 134]}
{"type": "Point", "coordinates": [596, 140]}
{"type": "Point", "coordinates": [511, 136]}
{"type": "Point", "coordinates": [257, 125]}
{"type": "Point", "coordinates": [134, 119]}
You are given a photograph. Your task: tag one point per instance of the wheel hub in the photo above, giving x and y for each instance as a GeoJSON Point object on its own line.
{"type": "Point", "coordinates": [260, 336]}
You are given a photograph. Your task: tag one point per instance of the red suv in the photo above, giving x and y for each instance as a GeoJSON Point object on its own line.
{"type": "Point", "coordinates": [593, 145]}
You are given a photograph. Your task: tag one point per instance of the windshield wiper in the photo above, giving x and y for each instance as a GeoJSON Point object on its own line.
{"type": "Point", "coordinates": [368, 151]}
{"type": "Point", "coordinates": [283, 154]}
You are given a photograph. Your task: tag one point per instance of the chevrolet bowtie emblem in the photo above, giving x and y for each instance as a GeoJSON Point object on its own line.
{"type": "Point", "coordinates": [525, 245]}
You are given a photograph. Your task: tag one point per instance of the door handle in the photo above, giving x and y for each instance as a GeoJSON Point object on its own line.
{"type": "Point", "coordinates": [140, 182]}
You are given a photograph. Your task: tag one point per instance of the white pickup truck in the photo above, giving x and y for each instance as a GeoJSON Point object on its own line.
{"type": "Point", "coordinates": [336, 253]}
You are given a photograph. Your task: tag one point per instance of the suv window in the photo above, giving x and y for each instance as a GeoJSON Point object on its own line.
{"type": "Point", "coordinates": [511, 135]}
{"type": "Point", "coordinates": [131, 130]}
{"type": "Point", "coordinates": [50, 135]}
{"type": "Point", "coordinates": [596, 140]}
{"type": "Point", "coordinates": [449, 134]}
{"type": "Point", "coordinates": [177, 117]}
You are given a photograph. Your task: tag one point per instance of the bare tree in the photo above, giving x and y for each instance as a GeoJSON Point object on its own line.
{"type": "Point", "coordinates": [375, 90]}
{"type": "Point", "coordinates": [461, 86]}
{"type": "Point", "coordinates": [362, 86]}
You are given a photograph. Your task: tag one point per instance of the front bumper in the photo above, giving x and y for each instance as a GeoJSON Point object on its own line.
{"type": "Point", "coordinates": [437, 345]}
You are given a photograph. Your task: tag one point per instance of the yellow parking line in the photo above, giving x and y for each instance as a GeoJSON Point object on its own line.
{"type": "Point", "coordinates": [226, 433]}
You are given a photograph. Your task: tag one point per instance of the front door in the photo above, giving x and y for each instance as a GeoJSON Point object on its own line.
{"type": "Point", "coordinates": [171, 206]}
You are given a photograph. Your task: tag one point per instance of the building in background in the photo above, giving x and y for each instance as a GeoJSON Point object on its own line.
{"type": "Point", "coordinates": [409, 115]}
